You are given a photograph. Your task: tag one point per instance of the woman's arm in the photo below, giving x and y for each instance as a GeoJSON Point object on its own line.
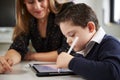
{"type": "Point", "coordinates": [13, 55]}
{"type": "Point", "coordinates": [42, 56]}
{"type": "Point", "coordinates": [6, 62]}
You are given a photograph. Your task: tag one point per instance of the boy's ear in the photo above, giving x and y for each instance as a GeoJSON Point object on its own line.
{"type": "Point", "coordinates": [91, 26]}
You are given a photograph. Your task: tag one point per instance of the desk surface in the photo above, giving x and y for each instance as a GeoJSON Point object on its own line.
{"type": "Point", "coordinates": [22, 71]}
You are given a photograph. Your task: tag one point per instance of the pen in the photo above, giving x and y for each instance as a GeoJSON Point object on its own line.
{"type": "Point", "coordinates": [73, 44]}
{"type": "Point", "coordinates": [70, 49]}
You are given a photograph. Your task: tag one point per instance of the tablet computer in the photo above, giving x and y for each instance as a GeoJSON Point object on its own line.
{"type": "Point", "coordinates": [50, 70]}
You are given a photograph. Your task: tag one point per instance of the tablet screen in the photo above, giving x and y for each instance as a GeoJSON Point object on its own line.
{"type": "Point", "coordinates": [48, 68]}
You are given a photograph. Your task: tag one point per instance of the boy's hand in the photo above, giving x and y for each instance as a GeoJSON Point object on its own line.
{"type": "Point", "coordinates": [63, 60]}
{"type": "Point", "coordinates": [5, 64]}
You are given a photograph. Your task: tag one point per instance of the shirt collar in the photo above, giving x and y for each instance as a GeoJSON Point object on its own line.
{"type": "Point", "coordinates": [98, 35]}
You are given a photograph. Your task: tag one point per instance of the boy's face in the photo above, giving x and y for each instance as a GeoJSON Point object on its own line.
{"type": "Point", "coordinates": [71, 31]}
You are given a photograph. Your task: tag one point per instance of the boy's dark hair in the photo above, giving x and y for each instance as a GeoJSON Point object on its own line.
{"type": "Point", "coordinates": [80, 14]}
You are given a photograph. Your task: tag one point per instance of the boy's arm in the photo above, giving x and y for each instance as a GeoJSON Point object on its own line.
{"type": "Point", "coordinates": [95, 70]}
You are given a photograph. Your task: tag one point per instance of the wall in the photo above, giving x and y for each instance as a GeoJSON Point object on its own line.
{"type": "Point", "coordinates": [100, 7]}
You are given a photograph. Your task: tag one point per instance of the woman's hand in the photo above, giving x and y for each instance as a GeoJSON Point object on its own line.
{"type": "Point", "coordinates": [5, 64]}
{"type": "Point", "coordinates": [63, 60]}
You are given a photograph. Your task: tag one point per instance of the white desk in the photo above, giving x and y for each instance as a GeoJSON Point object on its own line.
{"type": "Point", "coordinates": [22, 71]}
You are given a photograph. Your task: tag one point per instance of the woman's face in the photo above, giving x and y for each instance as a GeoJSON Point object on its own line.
{"type": "Point", "coordinates": [38, 8]}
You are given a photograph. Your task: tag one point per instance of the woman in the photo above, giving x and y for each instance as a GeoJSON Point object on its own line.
{"type": "Point", "coordinates": [35, 24]}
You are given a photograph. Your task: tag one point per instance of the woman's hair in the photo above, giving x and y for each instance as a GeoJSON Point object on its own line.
{"type": "Point", "coordinates": [79, 14]}
{"type": "Point", "coordinates": [23, 16]}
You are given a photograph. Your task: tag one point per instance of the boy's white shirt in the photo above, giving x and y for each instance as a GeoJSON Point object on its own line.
{"type": "Point", "coordinates": [97, 38]}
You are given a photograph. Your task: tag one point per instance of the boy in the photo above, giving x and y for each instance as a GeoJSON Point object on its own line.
{"type": "Point", "coordinates": [97, 54]}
